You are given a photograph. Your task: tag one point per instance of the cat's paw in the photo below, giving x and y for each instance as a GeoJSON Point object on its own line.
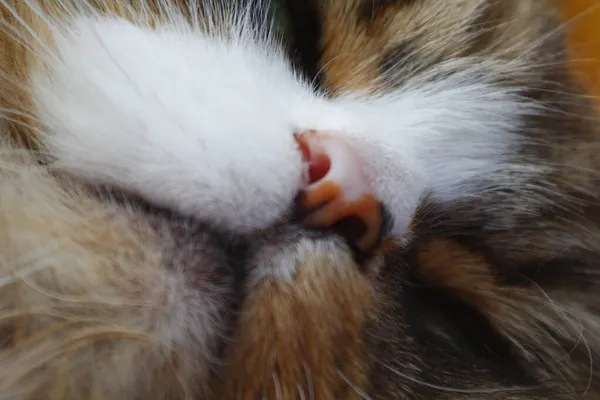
{"type": "Point", "coordinates": [336, 193]}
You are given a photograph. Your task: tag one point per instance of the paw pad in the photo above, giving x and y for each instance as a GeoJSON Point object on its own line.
{"type": "Point", "coordinates": [336, 193]}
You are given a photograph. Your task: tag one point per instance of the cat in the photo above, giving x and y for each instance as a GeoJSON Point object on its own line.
{"type": "Point", "coordinates": [296, 199]}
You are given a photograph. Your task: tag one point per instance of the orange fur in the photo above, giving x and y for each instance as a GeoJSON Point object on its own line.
{"type": "Point", "coordinates": [583, 17]}
{"type": "Point", "coordinates": [449, 265]}
{"type": "Point", "coordinates": [304, 336]}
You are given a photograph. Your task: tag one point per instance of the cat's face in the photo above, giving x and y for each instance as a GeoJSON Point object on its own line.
{"type": "Point", "coordinates": [162, 233]}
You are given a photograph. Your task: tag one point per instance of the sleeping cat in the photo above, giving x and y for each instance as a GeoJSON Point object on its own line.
{"type": "Point", "coordinates": [303, 199]}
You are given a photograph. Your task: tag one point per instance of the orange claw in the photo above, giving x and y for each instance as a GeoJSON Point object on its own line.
{"type": "Point", "coordinates": [336, 189]}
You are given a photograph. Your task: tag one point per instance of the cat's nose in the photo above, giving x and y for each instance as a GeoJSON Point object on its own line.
{"type": "Point", "coordinates": [336, 193]}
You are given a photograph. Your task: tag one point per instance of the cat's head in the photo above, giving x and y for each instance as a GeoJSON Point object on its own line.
{"type": "Point", "coordinates": [183, 182]}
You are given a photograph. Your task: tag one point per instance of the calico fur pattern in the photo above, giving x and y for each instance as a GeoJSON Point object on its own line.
{"type": "Point", "coordinates": [491, 294]}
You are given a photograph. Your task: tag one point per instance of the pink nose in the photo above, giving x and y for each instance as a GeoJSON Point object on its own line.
{"type": "Point", "coordinates": [336, 191]}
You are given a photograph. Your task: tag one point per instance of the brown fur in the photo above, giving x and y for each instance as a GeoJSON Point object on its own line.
{"type": "Point", "coordinates": [92, 298]}
{"type": "Point", "coordinates": [299, 354]}
{"type": "Point", "coordinates": [95, 321]}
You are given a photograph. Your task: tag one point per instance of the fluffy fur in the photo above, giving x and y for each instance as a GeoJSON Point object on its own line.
{"type": "Point", "coordinates": [168, 112]}
{"type": "Point", "coordinates": [149, 173]}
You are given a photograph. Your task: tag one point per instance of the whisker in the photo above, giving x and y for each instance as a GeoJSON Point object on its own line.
{"type": "Point", "coordinates": [459, 390]}
{"type": "Point", "coordinates": [362, 394]}
{"type": "Point", "coordinates": [301, 393]}
{"type": "Point", "coordinates": [309, 381]}
{"type": "Point", "coordinates": [277, 386]}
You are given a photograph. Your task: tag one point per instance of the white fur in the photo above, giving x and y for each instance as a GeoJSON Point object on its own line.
{"type": "Point", "coordinates": [281, 262]}
{"type": "Point", "coordinates": [205, 125]}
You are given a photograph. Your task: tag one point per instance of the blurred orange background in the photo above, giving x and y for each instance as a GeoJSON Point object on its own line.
{"type": "Point", "coordinates": [583, 16]}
